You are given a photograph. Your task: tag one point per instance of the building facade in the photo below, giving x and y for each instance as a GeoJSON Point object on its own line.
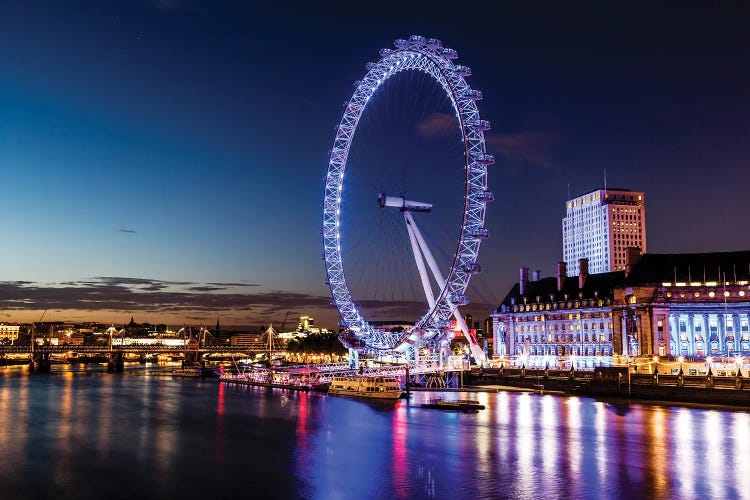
{"type": "Point", "coordinates": [600, 226]}
{"type": "Point", "coordinates": [691, 305]}
{"type": "Point", "coordinates": [558, 321]}
{"type": "Point", "coordinates": [9, 332]}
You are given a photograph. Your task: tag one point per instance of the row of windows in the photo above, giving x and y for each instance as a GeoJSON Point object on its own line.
{"type": "Point", "coordinates": [553, 316]}
{"type": "Point", "coordinates": [604, 350]}
{"type": "Point", "coordinates": [625, 212]}
{"type": "Point", "coordinates": [621, 240]}
{"type": "Point", "coordinates": [625, 209]}
{"type": "Point", "coordinates": [713, 323]}
{"type": "Point", "coordinates": [557, 327]}
{"type": "Point", "coordinates": [729, 337]}
{"type": "Point", "coordinates": [710, 294]}
{"type": "Point", "coordinates": [559, 305]}
{"type": "Point", "coordinates": [565, 338]}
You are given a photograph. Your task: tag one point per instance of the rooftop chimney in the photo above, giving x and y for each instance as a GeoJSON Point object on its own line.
{"type": "Point", "coordinates": [536, 275]}
{"type": "Point", "coordinates": [633, 255]}
{"type": "Point", "coordinates": [583, 265]}
{"type": "Point", "coordinates": [561, 270]}
{"type": "Point", "coordinates": [524, 280]}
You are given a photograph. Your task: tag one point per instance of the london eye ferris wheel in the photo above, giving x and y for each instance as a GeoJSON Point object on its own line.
{"type": "Point", "coordinates": [444, 289]}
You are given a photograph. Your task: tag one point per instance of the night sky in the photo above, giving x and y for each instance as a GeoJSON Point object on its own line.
{"type": "Point", "coordinates": [165, 159]}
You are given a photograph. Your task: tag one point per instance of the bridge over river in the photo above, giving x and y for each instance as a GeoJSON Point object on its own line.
{"type": "Point", "coordinates": [40, 355]}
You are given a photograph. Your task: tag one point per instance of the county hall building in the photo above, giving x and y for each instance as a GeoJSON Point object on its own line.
{"type": "Point", "coordinates": [693, 305]}
{"type": "Point", "coordinates": [558, 319]}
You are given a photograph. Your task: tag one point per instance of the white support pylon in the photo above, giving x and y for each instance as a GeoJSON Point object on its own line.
{"type": "Point", "coordinates": [411, 229]}
{"type": "Point", "coordinates": [414, 232]}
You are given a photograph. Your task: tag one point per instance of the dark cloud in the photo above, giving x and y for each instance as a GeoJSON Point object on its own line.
{"type": "Point", "coordinates": [191, 301]}
{"type": "Point", "coordinates": [143, 283]}
{"type": "Point", "coordinates": [139, 294]}
{"type": "Point", "coordinates": [232, 284]}
{"type": "Point", "coordinates": [126, 230]}
{"type": "Point", "coordinates": [205, 288]}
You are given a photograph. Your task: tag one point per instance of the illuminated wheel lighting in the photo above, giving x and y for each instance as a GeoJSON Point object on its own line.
{"type": "Point", "coordinates": [430, 57]}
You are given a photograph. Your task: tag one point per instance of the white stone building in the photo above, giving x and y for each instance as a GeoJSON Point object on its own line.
{"type": "Point", "coordinates": [600, 226]}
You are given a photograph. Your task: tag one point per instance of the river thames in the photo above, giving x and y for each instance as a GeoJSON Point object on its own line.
{"type": "Point", "coordinates": [81, 435]}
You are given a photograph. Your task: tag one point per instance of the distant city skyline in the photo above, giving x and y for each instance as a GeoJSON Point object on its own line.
{"type": "Point", "coordinates": [166, 159]}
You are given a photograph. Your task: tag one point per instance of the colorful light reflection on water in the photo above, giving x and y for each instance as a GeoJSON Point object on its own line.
{"type": "Point", "coordinates": [72, 435]}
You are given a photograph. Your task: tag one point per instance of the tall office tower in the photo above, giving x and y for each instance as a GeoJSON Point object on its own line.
{"type": "Point", "coordinates": [600, 226]}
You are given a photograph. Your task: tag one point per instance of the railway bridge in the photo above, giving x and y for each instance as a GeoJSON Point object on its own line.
{"type": "Point", "coordinates": [40, 355]}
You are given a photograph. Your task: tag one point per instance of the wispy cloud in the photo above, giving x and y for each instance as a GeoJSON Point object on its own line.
{"type": "Point", "coordinates": [126, 230]}
{"type": "Point", "coordinates": [533, 145]}
{"type": "Point", "coordinates": [437, 125]}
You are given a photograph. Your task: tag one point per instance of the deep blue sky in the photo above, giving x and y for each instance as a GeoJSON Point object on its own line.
{"type": "Point", "coordinates": [184, 143]}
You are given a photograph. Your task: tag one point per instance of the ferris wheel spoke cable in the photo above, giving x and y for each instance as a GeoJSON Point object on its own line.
{"type": "Point", "coordinates": [369, 278]}
{"type": "Point", "coordinates": [384, 269]}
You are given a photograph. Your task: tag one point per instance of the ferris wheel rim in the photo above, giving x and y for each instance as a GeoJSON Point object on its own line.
{"type": "Point", "coordinates": [429, 57]}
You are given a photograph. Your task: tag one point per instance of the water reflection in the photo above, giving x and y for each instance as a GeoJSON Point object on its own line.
{"type": "Point", "coordinates": [572, 409]}
{"type": "Point", "coordinates": [524, 439]}
{"type": "Point", "coordinates": [400, 459]}
{"type": "Point", "coordinates": [683, 447]}
{"type": "Point", "coordinates": [659, 458]}
{"type": "Point", "coordinates": [714, 441]}
{"type": "Point", "coordinates": [601, 449]}
{"type": "Point", "coordinates": [62, 419]}
{"type": "Point", "coordinates": [739, 430]}
{"type": "Point", "coordinates": [120, 436]}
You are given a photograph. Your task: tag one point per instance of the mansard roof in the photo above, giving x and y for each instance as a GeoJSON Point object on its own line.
{"type": "Point", "coordinates": [650, 269]}
{"type": "Point", "coordinates": [654, 268]}
{"type": "Point", "coordinates": [596, 285]}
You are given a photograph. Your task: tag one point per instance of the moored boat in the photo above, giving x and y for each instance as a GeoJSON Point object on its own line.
{"type": "Point", "coordinates": [464, 405]}
{"type": "Point", "coordinates": [366, 387]}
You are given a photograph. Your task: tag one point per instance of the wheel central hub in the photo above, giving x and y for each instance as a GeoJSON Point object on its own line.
{"type": "Point", "coordinates": [403, 204]}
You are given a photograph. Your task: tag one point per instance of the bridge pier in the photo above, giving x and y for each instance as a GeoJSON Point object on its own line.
{"type": "Point", "coordinates": [206, 370]}
{"type": "Point", "coordinates": [191, 358]}
{"type": "Point", "coordinates": [116, 363]}
{"type": "Point", "coordinates": [192, 354]}
{"type": "Point", "coordinates": [39, 362]}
